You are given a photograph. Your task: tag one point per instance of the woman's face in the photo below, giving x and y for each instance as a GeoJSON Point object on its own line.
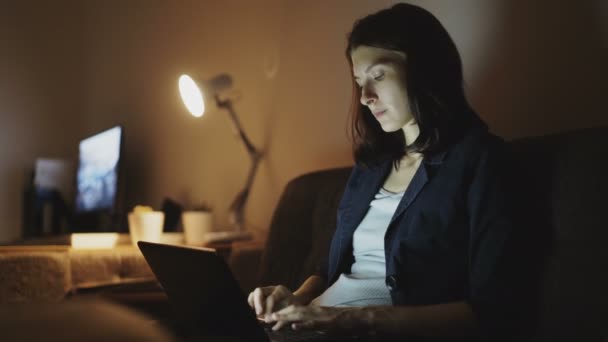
{"type": "Point", "coordinates": [380, 74]}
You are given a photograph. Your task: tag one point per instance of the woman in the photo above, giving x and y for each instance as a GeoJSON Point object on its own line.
{"type": "Point", "coordinates": [425, 225]}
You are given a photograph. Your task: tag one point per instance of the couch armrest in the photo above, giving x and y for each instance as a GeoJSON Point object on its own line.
{"type": "Point", "coordinates": [48, 273]}
{"type": "Point", "coordinates": [106, 266]}
{"type": "Point", "coordinates": [40, 274]}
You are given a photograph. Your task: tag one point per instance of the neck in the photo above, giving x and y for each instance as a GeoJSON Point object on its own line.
{"type": "Point", "coordinates": [411, 132]}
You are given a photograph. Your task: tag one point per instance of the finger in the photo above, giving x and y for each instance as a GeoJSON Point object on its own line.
{"type": "Point", "coordinates": [282, 290]}
{"type": "Point", "coordinates": [278, 299]}
{"type": "Point", "coordinates": [262, 294]}
{"type": "Point", "coordinates": [270, 303]}
{"type": "Point", "coordinates": [286, 310]}
{"type": "Point", "coordinates": [279, 325]}
{"type": "Point", "coordinates": [250, 300]}
{"type": "Point", "coordinates": [306, 325]}
{"type": "Point", "coordinates": [258, 300]}
{"type": "Point", "coordinates": [291, 313]}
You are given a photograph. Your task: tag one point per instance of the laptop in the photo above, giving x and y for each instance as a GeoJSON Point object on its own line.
{"type": "Point", "coordinates": [207, 300]}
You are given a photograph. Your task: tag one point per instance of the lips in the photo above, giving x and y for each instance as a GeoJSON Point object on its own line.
{"type": "Point", "coordinates": [379, 113]}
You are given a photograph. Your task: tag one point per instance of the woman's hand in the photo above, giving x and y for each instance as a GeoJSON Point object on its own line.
{"type": "Point", "coordinates": [322, 318]}
{"type": "Point", "coordinates": [266, 300]}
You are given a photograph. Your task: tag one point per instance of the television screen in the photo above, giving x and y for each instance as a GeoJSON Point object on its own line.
{"type": "Point", "coordinates": [98, 167]}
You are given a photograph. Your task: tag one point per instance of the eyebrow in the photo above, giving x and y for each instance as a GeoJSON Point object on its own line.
{"type": "Point", "coordinates": [380, 61]}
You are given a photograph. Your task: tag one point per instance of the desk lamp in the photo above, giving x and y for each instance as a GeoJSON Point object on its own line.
{"type": "Point", "coordinates": [195, 95]}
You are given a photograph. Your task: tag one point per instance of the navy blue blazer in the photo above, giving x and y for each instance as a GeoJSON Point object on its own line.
{"type": "Point", "coordinates": [450, 237]}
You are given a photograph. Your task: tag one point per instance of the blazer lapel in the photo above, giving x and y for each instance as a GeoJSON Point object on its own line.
{"type": "Point", "coordinates": [367, 187]}
{"type": "Point", "coordinates": [412, 191]}
{"type": "Point", "coordinates": [425, 172]}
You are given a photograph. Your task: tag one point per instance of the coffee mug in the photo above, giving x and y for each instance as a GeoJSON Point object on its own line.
{"type": "Point", "coordinates": [146, 226]}
{"type": "Point", "coordinates": [196, 225]}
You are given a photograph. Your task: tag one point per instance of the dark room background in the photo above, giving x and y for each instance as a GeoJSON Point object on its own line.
{"type": "Point", "coordinates": [71, 68]}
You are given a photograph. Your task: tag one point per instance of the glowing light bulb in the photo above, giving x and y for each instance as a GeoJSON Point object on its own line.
{"type": "Point", "coordinates": [191, 96]}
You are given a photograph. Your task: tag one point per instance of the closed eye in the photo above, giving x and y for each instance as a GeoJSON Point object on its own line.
{"type": "Point", "coordinates": [380, 77]}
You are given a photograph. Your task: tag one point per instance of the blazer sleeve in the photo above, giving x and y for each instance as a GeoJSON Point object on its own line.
{"type": "Point", "coordinates": [494, 292]}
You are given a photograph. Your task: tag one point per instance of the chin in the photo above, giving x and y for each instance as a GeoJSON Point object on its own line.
{"type": "Point", "coordinates": [388, 128]}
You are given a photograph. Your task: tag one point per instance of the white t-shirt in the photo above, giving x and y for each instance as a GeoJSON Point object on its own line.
{"type": "Point", "coordinates": [365, 285]}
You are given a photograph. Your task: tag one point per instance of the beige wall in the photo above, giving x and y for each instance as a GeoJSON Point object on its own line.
{"type": "Point", "coordinates": [40, 68]}
{"type": "Point", "coordinates": [531, 67]}
{"type": "Point", "coordinates": [546, 68]}
{"type": "Point", "coordinates": [136, 53]}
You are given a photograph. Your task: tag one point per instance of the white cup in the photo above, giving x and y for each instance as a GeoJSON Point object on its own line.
{"type": "Point", "coordinates": [146, 226]}
{"type": "Point", "coordinates": [196, 225]}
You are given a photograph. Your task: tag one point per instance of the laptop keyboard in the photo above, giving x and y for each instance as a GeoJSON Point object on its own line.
{"type": "Point", "coordinates": [290, 335]}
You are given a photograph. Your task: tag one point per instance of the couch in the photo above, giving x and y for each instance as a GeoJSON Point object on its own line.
{"type": "Point", "coordinates": [563, 189]}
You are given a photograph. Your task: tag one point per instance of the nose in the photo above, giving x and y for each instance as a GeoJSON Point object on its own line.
{"type": "Point", "coordinates": [368, 95]}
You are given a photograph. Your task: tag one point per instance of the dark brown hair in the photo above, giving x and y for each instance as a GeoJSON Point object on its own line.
{"type": "Point", "coordinates": [434, 83]}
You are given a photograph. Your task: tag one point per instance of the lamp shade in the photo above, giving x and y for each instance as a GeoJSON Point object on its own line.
{"type": "Point", "coordinates": [192, 96]}
{"type": "Point", "coordinates": [198, 95]}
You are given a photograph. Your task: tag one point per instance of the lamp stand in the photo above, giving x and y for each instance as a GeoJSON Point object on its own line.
{"type": "Point", "coordinates": [236, 210]}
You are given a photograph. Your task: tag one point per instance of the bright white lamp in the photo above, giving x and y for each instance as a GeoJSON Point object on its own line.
{"type": "Point", "coordinates": [191, 96]}
{"type": "Point", "coordinates": [194, 95]}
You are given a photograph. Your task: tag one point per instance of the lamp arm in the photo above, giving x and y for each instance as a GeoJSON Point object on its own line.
{"type": "Point", "coordinates": [227, 104]}
{"type": "Point", "coordinates": [236, 210]}
{"type": "Point", "coordinates": [237, 207]}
